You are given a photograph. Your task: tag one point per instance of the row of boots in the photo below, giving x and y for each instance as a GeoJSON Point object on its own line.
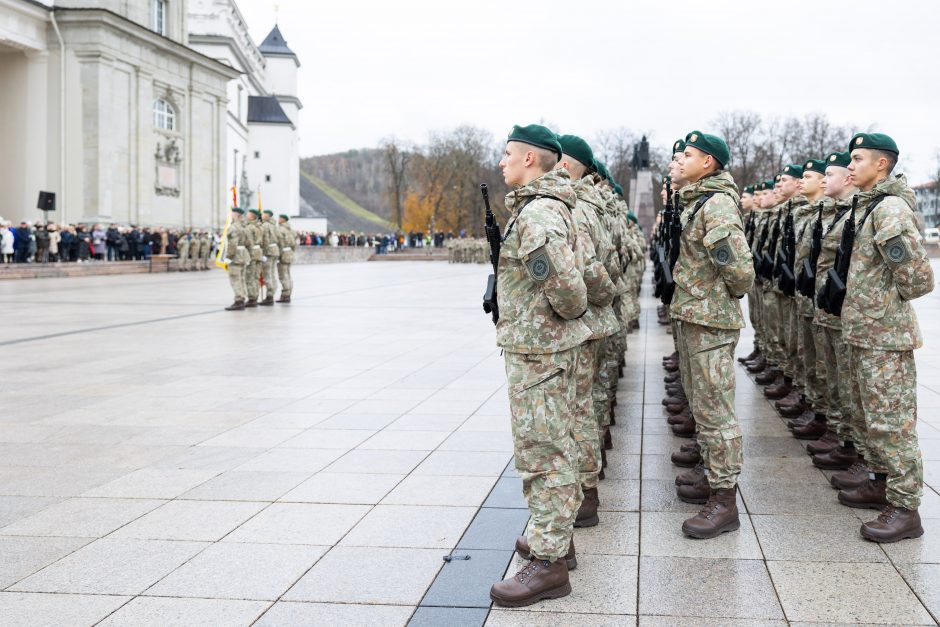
{"type": "Point", "coordinates": [241, 304]}
{"type": "Point", "coordinates": [858, 487]}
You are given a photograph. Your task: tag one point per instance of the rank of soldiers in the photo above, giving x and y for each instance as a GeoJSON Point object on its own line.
{"type": "Point", "coordinates": [256, 248]}
{"type": "Point", "coordinates": [829, 257]}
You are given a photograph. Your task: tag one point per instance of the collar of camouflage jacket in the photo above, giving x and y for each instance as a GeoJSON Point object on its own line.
{"type": "Point", "coordinates": [554, 184]}
{"type": "Point", "coordinates": [891, 186]}
{"type": "Point", "coordinates": [720, 183]}
{"type": "Point", "coordinates": [586, 191]}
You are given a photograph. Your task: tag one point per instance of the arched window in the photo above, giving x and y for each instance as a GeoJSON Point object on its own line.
{"type": "Point", "coordinates": [164, 117]}
{"type": "Point", "coordinates": [159, 17]}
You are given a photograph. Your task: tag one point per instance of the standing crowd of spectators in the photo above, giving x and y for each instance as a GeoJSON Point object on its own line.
{"type": "Point", "coordinates": [58, 243]}
{"type": "Point", "coordinates": [382, 242]}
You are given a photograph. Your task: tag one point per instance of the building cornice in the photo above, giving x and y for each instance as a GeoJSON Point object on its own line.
{"type": "Point", "coordinates": [236, 50]}
{"type": "Point", "coordinates": [294, 100]}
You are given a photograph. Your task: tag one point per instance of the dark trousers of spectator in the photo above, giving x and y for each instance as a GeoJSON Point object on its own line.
{"type": "Point", "coordinates": [21, 255]}
{"type": "Point", "coordinates": [112, 253]}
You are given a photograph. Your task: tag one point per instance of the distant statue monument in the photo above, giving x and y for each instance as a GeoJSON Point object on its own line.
{"type": "Point", "coordinates": [641, 155]}
{"type": "Point", "coordinates": [641, 186]}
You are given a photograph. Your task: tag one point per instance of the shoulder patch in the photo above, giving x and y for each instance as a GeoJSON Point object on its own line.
{"type": "Point", "coordinates": [538, 265]}
{"type": "Point", "coordinates": [896, 250]}
{"type": "Point", "coordinates": [722, 253]}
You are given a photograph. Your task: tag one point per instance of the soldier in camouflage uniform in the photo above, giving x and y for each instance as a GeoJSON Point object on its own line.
{"type": "Point", "coordinates": [194, 248]}
{"type": "Point", "coordinates": [287, 241]}
{"type": "Point", "coordinates": [596, 253]}
{"type": "Point", "coordinates": [542, 298]}
{"type": "Point", "coordinates": [889, 268]}
{"type": "Point", "coordinates": [254, 237]}
{"type": "Point", "coordinates": [236, 258]}
{"type": "Point", "coordinates": [182, 251]}
{"type": "Point", "coordinates": [713, 271]}
{"type": "Point", "coordinates": [272, 251]}
{"type": "Point", "coordinates": [206, 249]}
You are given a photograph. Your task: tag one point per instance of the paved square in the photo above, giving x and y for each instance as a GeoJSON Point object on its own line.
{"type": "Point", "coordinates": [166, 462]}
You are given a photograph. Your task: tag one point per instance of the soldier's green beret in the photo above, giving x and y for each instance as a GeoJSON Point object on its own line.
{"type": "Point", "coordinates": [749, 189]}
{"type": "Point", "coordinates": [678, 146]}
{"type": "Point", "coordinates": [577, 148]}
{"type": "Point", "coordinates": [535, 135]}
{"type": "Point", "coordinates": [601, 168]}
{"type": "Point", "coordinates": [769, 184]}
{"type": "Point", "coordinates": [840, 159]}
{"type": "Point", "coordinates": [793, 170]}
{"type": "Point", "coordinates": [238, 210]}
{"type": "Point", "coordinates": [268, 211]}
{"type": "Point", "coordinates": [618, 189]}
{"type": "Point", "coordinates": [815, 165]}
{"type": "Point", "coordinates": [632, 216]}
{"type": "Point", "coordinates": [285, 216]}
{"type": "Point", "coordinates": [874, 141]}
{"type": "Point", "coordinates": [710, 144]}
{"type": "Point", "coordinates": [255, 211]}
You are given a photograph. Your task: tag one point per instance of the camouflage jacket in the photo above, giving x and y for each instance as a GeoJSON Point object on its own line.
{"type": "Point", "coordinates": [889, 268]}
{"type": "Point", "coordinates": [616, 234]}
{"type": "Point", "coordinates": [714, 267]}
{"type": "Point", "coordinates": [834, 217]}
{"type": "Point", "coordinates": [541, 288]}
{"type": "Point", "coordinates": [182, 245]}
{"type": "Point", "coordinates": [606, 252]}
{"type": "Point", "coordinates": [235, 243]}
{"type": "Point", "coordinates": [594, 246]}
{"type": "Point", "coordinates": [253, 238]}
{"type": "Point", "coordinates": [772, 218]}
{"type": "Point", "coordinates": [804, 219]}
{"type": "Point", "coordinates": [286, 238]}
{"type": "Point", "coordinates": [269, 238]}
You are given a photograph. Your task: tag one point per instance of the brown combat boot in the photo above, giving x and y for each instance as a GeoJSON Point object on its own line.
{"type": "Point", "coordinates": [751, 357]}
{"type": "Point", "coordinates": [869, 495]}
{"type": "Point", "coordinates": [824, 444]}
{"type": "Point", "coordinates": [522, 548]}
{"type": "Point", "coordinates": [538, 580]}
{"type": "Point", "coordinates": [238, 305]}
{"type": "Point", "coordinates": [791, 399]}
{"type": "Point", "coordinates": [674, 355]}
{"type": "Point", "coordinates": [768, 376]}
{"type": "Point", "coordinates": [854, 477]}
{"type": "Point", "coordinates": [779, 388]}
{"type": "Point", "coordinates": [678, 397]}
{"type": "Point", "coordinates": [893, 524]}
{"type": "Point", "coordinates": [790, 411]}
{"type": "Point", "coordinates": [285, 298]}
{"type": "Point", "coordinates": [691, 477]}
{"type": "Point", "coordinates": [603, 460]}
{"type": "Point", "coordinates": [687, 456]}
{"type": "Point", "coordinates": [813, 430]}
{"type": "Point", "coordinates": [695, 493]}
{"type": "Point", "coordinates": [685, 429]}
{"type": "Point", "coordinates": [802, 420]}
{"type": "Point", "coordinates": [587, 513]}
{"type": "Point", "coordinates": [268, 301]}
{"type": "Point", "coordinates": [679, 418]}
{"type": "Point", "coordinates": [672, 377]}
{"type": "Point", "coordinates": [839, 458]}
{"type": "Point", "coordinates": [608, 441]}
{"type": "Point", "coordinates": [719, 515]}
{"type": "Point", "coordinates": [677, 408]}
{"type": "Point", "coordinates": [758, 365]}
{"type": "Point", "coordinates": [252, 302]}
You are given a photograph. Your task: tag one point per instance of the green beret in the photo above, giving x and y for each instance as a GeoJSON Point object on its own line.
{"type": "Point", "coordinates": [749, 189]}
{"type": "Point", "coordinates": [874, 141]}
{"type": "Point", "coordinates": [815, 165]}
{"type": "Point", "coordinates": [632, 216]}
{"type": "Point", "coordinates": [268, 211]}
{"type": "Point", "coordinates": [238, 210]}
{"type": "Point", "coordinates": [710, 144]}
{"type": "Point", "coordinates": [768, 184]}
{"type": "Point", "coordinates": [678, 146]}
{"type": "Point", "coordinates": [618, 189]}
{"type": "Point", "coordinates": [255, 211]}
{"type": "Point", "coordinates": [285, 216]}
{"type": "Point", "coordinates": [840, 159]}
{"type": "Point", "coordinates": [601, 168]}
{"type": "Point", "coordinates": [793, 170]}
{"type": "Point", "coordinates": [577, 148]}
{"type": "Point", "coordinates": [535, 135]}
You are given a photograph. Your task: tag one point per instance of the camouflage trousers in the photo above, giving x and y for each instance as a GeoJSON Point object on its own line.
{"type": "Point", "coordinates": [806, 355]}
{"type": "Point", "coordinates": [269, 272]}
{"type": "Point", "coordinates": [769, 315]}
{"type": "Point", "coordinates": [585, 422]}
{"type": "Point", "coordinates": [283, 275]}
{"type": "Point", "coordinates": [236, 278]}
{"type": "Point", "coordinates": [707, 363]}
{"type": "Point", "coordinates": [541, 400]}
{"type": "Point", "coordinates": [253, 279]}
{"type": "Point", "coordinates": [754, 314]}
{"type": "Point", "coordinates": [884, 386]}
{"type": "Point", "coordinates": [600, 387]}
{"type": "Point", "coordinates": [792, 364]}
{"type": "Point", "coordinates": [832, 355]}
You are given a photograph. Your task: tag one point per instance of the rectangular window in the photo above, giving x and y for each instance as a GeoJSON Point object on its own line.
{"type": "Point", "coordinates": [267, 178]}
{"type": "Point", "coordinates": [159, 17]}
{"type": "Point", "coordinates": [257, 155]}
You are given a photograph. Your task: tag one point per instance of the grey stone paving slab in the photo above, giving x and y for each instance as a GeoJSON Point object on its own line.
{"type": "Point", "coordinates": [467, 582]}
{"type": "Point", "coordinates": [299, 523]}
{"type": "Point", "coordinates": [340, 576]}
{"type": "Point", "coordinates": [119, 567]}
{"type": "Point", "coordinates": [849, 593]}
{"type": "Point", "coordinates": [252, 437]}
{"type": "Point", "coordinates": [520, 618]}
{"type": "Point", "coordinates": [14, 508]}
{"type": "Point", "coordinates": [676, 621]}
{"type": "Point", "coordinates": [680, 586]}
{"type": "Point", "coordinates": [380, 462]}
{"type": "Point", "coordinates": [495, 528]}
{"type": "Point", "coordinates": [404, 440]}
{"type": "Point", "coordinates": [238, 485]}
{"type": "Point", "coordinates": [204, 521]}
{"type": "Point", "coordinates": [239, 571]}
{"type": "Point", "coordinates": [352, 488]}
{"type": "Point", "coordinates": [478, 441]}
{"type": "Point", "coordinates": [458, 463]}
{"type": "Point", "coordinates": [153, 483]}
{"type": "Point", "coordinates": [439, 490]}
{"type": "Point", "coordinates": [622, 495]}
{"type": "Point", "coordinates": [23, 556]}
{"type": "Point", "coordinates": [291, 460]}
{"type": "Point", "coordinates": [662, 535]}
{"type": "Point", "coordinates": [506, 493]}
{"type": "Point", "coordinates": [451, 616]}
{"type": "Point", "coordinates": [294, 614]}
{"type": "Point", "coordinates": [924, 580]}
{"type": "Point", "coordinates": [82, 517]}
{"type": "Point", "coordinates": [22, 609]}
{"type": "Point", "coordinates": [816, 539]}
{"type": "Point", "coordinates": [342, 439]}
{"type": "Point", "coordinates": [163, 612]}
{"type": "Point", "coordinates": [395, 526]}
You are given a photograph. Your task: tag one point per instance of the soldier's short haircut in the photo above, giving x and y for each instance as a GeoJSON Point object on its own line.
{"type": "Point", "coordinates": [546, 159]}
{"type": "Point", "coordinates": [890, 157]}
{"type": "Point", "coordinates": [576, 169]}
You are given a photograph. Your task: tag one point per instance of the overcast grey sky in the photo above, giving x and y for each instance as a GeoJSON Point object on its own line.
{"type": "Point", "coordinates": [370, 69]}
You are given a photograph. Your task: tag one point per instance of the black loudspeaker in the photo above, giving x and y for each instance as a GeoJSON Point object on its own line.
{"type": "Point", "coordinates": [46, 201]}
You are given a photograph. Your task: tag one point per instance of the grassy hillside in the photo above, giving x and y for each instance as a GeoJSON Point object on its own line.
{"type": "Point", "coordinates": [342, 213]}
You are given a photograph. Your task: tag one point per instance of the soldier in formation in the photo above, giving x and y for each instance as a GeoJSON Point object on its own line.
{"type": "Point", "coordinates": [256, 247]}
{"type": "Point", "coordinates": [567, 283]}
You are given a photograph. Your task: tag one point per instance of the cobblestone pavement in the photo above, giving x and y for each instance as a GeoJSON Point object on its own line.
{"type": "Point", "coordinates": [165, 462]}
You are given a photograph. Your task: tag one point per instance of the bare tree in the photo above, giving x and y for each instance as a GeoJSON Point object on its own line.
{"type": "Point", "coordinates": [396, 163]}
{"type": "Point", "coordinates": [740, 129]}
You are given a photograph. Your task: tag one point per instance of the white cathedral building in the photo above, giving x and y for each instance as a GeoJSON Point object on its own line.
{"type": "Point", "coordinates": [143, 112]}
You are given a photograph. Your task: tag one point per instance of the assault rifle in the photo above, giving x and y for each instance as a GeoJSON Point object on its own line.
{"type": "Point", "coordinates": [807, 281]}
{"type": "Point", "coordinates": [787, 256]}
{"type": "Point", "coordinates": [671, 254]}
{"type": "Point", "coordinates": [832, 295]}
{"type": "Point", "coordinates": [755, 252]}
{"type": "Point", "coordinates": [768, 264]}
{"type": "Point", "coordinates": [495, 239]}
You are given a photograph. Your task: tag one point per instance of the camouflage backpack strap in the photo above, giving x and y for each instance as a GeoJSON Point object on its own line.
{"type": "Point", "coordinates": [512, 223]}
{"type": "Point", "coordinates": [699, 204]}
